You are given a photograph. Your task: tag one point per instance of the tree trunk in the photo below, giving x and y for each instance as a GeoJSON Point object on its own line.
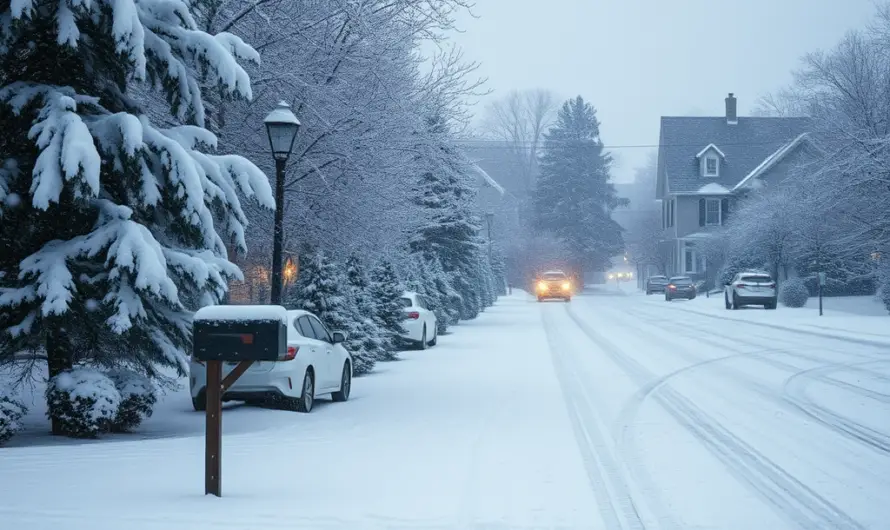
{"type": "Point", "coordinates": [58, 359]}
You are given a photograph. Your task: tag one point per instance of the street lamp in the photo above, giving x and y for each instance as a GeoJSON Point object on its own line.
{"type": "Point", "coordinates": [282, 127]}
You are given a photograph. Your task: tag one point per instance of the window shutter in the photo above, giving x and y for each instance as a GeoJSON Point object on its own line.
{"type": "Point", "coordinates": [701, 212]}
{"type": "Point", "coordinates": [724, 210]}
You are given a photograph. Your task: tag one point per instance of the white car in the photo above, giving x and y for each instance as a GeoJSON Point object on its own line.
{"type": "Point", "coordinates": [751, 288]}
{"type": "Point", "coordinates": [316, 364]}
{"type": "Point", "coordinates": [420, 324]}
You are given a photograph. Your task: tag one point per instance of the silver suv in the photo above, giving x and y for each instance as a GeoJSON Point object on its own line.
{"type": "Point", "coordinates": [750, 288]}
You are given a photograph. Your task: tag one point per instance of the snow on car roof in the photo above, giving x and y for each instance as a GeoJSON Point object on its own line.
{"type": "Point", "coordinates": [242, 312]}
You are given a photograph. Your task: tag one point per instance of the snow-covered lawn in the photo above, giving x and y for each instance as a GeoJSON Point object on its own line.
{"type": "Point", "coordinates": [470, 432]}
{"type": "Point", "coordinates": [613, 411]}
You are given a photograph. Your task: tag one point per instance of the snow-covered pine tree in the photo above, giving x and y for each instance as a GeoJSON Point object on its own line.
{"type": "Point", "coordinates": [322, 290]}
{"type": "Point", "coordinates": [450, 230]}
{"type": "Point", "coordinates": [451, 301]}
{"type": "Point", "coordinates": [386, 290]}
{"type": "Point", "coordinates": [499, 270]}
{"type": "Point", "coordinates": [374, 341]}
{"type": "Point", "coordinates": [113, 227]}
{"type": "Point", "coordinates": [574, 198]}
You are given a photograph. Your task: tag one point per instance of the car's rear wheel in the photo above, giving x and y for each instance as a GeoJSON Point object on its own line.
{"type": "Point", "coordinates": [771, 305]}
{"type": "Point", "coordinates": [735, 301]}
{"type": "Point", "coordinates": [726, 302]}
{"type": "Point", "coordinates": [435, 336]}
{"type": "Point", "coordinates": [200, 402]}
{"type": "Point", "coordinates": [423, 343]}
{"type": "Point", "coordinates": [345, 384]}
{"type": "Point", "coordinates": [306, 400]}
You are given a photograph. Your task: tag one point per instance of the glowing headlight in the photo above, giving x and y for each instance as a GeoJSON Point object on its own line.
{"type": "Point", "coordinates": [566, 286]}
{"type": "Point", "coordinates": [542, 286]}
{"type": "Point", "coordinates": [611, 276]}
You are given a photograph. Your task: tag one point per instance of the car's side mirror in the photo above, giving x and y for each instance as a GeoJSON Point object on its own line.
{"type": "Point", "coordinates": [338, 336]}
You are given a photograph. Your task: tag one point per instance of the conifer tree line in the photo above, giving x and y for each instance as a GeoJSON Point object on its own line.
{"type": "Point", "coordinates": [134, 171]}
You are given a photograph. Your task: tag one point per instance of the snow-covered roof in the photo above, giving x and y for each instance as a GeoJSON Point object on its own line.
{"type": "Point", "coordinates": [487, 178]}
{"type": "Point", "coordinates": [242, 312]}
{"type": "Point", "coordinates": [712, 188]}
{"type": "Point", "coordinates": [710, 147]}
{"type": "Point", "coordinates": [771, 161]}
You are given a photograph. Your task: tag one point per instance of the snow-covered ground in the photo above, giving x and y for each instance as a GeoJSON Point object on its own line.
{"type": "Point", "coordinates": [613, 411]}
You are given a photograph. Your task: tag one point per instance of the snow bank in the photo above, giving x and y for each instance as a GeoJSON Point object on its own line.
{"type": "Point", "coordinates": [242, 312]}
{"type": "Point", "coordinates": [83, 400]}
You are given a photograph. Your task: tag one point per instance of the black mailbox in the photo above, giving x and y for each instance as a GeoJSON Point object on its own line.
{"type": "Point", "coordinates": [240, 333]}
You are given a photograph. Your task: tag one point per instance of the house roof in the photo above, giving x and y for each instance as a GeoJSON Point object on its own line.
{"type": "Point", "coordinates": [744, 146]}
{"type": "Point", "coordinates": [770, 161]}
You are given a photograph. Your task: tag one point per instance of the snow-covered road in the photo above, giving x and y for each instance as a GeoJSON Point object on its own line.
{"type": "Point", "coordinates": [614, 411]}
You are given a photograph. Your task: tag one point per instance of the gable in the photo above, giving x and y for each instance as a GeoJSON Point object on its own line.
{"type": "Point", "coordinates": [782, 166]}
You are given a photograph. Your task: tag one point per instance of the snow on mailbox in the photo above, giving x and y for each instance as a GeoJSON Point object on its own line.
{"type": "Point", "coordinates": [240, 333]}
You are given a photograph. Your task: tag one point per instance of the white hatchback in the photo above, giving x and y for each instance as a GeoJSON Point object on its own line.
{"type": "Point", "coordinates": [420, 324]}
{"type": "Point", "coordinates": [316, 364]}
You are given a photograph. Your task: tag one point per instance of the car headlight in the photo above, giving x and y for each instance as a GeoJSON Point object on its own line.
{"type": "Point", "coordinates": [566, 286]}
{"type": "Point", "coordinates": [542, 286]}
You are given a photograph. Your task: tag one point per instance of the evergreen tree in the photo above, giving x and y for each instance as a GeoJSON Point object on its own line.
{"type": "Point", "coordinates": [449, 299]}
{"type": "Point", "coordinates": [112, 227]}
{"type": "Point", "coordinates": [450, 230]}
{"type": "Point", "coordinates": [574, 199]}
{"type": "Point", "coordinates": [386, 292]}
{"type": "Point", "coordinates": [374, 340]}
{"type": "Point", "coordinates": [322, 290]}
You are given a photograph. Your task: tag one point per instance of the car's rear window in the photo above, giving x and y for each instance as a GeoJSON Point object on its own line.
{"type": "Point", "coordinates": [406, 302]}
{"type": "Point", "coordinates": [681, 281]}
{"type": "Point", "coordinates": [756, 279]}
{"type": "Point", "coordinates": [555, 276]}
{"type": "Point", "coordinates": [657, 279]}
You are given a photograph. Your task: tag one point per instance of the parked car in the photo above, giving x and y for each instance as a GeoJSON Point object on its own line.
{"type": "Point", "coordinates": [751, 288]}
{"type": "Point", "coordinates": [554, 284]}
{"type": "Point", "coordinates": [421, 326]}
{"type": "Point", "coordinates": [656, 284]}
{"type": "Point", "coordinates": [680, 287]}
{"type": "Point", "coordinates": [316, 364]}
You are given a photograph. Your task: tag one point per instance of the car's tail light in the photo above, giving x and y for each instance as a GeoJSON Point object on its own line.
{"type": "Point", "coordinates": [741, 285]}
{"type": "Point", "coordinates": [291, 353]}
{"type": "Point", "coordinates": [413, 315]}
{"type": "Point", "coordinates": [672, 286]}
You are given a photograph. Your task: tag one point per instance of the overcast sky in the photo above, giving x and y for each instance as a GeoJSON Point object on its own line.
{"type": "Point", "coordinates": [637, 60]}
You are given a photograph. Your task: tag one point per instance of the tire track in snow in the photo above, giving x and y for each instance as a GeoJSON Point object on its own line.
{"type": "Point", "coordinates": [788, 495]}
{"type": "Point", "coordinates": [616, 504]}
{"type": "Point", "coordinates": [846, 427]}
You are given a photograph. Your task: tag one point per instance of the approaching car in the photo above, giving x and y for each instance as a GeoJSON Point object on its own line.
{"type": "Point", "coordinates": [680, 287]}
{"type": "Point", "coordinates": [751, 288]}
{"type": "Point", "coordinates": [421, 326]}
{"type": "Point", "coordinates": [554, 285]}
{"type": "Point", "coordinates": [656, 284]}
{"type": "Point", "coordinates": [316, 364]}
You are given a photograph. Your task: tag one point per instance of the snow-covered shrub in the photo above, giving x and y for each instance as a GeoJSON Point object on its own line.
{"type": "Point", "coordinates": [83, 400]}
{"type": "Point", "coordinates": [11, 413]}
{"type": "Point", "coordinates": [138, 397]}
{"type": "Point", "coordinates": [793, 293]}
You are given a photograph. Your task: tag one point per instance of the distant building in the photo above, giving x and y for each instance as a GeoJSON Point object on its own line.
{"type": "Point", "coordinates": [706, 163]}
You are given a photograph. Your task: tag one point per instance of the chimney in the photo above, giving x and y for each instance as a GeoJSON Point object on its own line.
{"type": "Point", "coordinates": [732, 116]}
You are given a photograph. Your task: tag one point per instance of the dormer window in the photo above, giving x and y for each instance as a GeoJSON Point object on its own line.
{"type": "Point", "coordinates": [712, 166]}
{"type": "Point", "coordinates": [709, 158]}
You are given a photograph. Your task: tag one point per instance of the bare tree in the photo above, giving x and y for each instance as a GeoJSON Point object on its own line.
{"type": "Point", "coordinates": [519, 120]}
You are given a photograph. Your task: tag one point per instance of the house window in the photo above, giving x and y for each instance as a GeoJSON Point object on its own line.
{"type": "Point", "coordinates": [670, 213]}
{"type": "Point", "coordinates": [712, 212]}
{"type": "Point", "coordinates": [712, 166]}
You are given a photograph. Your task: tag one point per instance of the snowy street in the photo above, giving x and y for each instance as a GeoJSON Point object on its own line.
{"type": "Point", "coordinates": [613, 411]}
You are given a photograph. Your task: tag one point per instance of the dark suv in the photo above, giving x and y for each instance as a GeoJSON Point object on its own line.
{"type": "Point", "coordinates": [554, 284]}
{"type": "Point", "coordinates": [680, 287]}
{"type": "Point", "coordinates": [656, 284]}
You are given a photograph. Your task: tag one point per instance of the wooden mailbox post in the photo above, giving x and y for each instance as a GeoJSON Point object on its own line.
{"type": "Point", "coordinates": [232, 333]}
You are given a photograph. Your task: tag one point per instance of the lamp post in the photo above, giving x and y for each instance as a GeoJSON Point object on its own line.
{"type": "Point", "coordinates": [489, 217]}
{"type": "Point", "coordinates": [282, 127]}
